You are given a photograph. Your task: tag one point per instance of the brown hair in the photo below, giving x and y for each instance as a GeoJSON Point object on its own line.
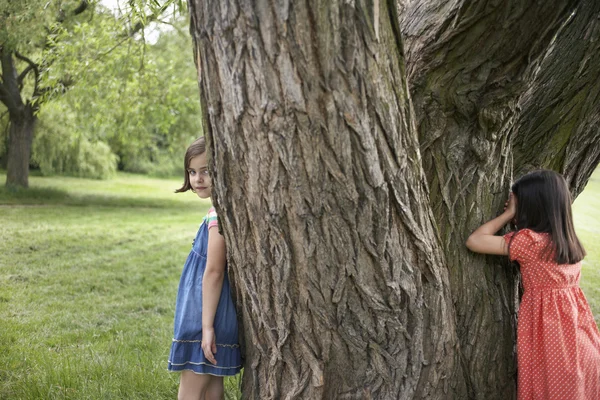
{"type": "Point", "coordinates": [544, 205]}
{"type": "Point", "coordinates": [195, 149]}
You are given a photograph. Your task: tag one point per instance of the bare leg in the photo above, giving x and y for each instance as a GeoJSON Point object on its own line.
{"type": "Point", "coordinates": [193, 386]}
{"type": "Point", "coordinates": [215, 390]}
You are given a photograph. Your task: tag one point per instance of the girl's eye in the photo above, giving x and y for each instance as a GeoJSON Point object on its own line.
{"type": "Point", "coordinates": [203, 172]}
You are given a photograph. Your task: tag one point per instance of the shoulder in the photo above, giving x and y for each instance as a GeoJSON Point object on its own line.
{"type": "Point", "coordinates": [211, 218]}
{"type": "Point", "coordinates": [211, 213]}
{"type": "Point", "coordinates": [523, 235]}
{"type": "Point", "coordinates": [521, 244]}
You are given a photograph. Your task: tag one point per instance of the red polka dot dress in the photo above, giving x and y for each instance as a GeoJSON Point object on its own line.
{"type": "Point", "coordinates": [558, 343]}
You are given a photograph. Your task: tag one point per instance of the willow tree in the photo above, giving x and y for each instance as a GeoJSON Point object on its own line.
{"type": "Point", "coordinates": [45, 48]}
{"type": "Point", "coordinates": [355, 145]}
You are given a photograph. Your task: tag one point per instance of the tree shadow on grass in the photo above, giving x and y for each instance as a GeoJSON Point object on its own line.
{"type": "Point", "coordinates": [14, 196]}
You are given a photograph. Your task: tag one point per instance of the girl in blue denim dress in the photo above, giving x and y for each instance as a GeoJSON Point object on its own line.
{"type": "Point", "coordinates": [205, 344]}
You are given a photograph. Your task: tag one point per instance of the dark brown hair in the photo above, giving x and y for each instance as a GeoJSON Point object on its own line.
{"type": "Point", "coordinates": [194, 150]}
{"type": "Point", "coordinates": [544, 205]}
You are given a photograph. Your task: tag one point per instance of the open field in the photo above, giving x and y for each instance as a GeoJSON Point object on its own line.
{"type": "Point", "coordinates": [88, 276]}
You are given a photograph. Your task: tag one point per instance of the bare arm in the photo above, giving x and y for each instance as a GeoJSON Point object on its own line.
{"type": "Point", "coordinates": [483, 239]}
{"type": "Point", "coordinates": [212, 283]}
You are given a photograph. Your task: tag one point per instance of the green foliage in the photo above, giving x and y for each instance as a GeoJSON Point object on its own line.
{"type": "Point", "coordinates": [113, 98]}
{"type": "Point", "coordinates": [163, 165]}
{"type": "Point", "coordinates": [24, 24]}
{"type": "Point", "coordinates": [140, 99]}
{"type": "Point", "coordinates": [29, 33]}
{"type": "Point", "coordinates": [69, 154]}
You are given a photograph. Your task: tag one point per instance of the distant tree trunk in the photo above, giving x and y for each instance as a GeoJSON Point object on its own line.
{"type": "Point", "coordinates": [20, 139]}
{"type": "Point", "coordinates": [22, 118]}
{"type": "Point", "coordinates": [345, 208]}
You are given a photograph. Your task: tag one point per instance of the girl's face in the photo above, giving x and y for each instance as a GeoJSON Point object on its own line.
{"type": "Point", "coordinates": [199, 178]}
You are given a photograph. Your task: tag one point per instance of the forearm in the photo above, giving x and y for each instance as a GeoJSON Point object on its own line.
{"type": "Point", "coordinates": [494, 225]}
{"type": "Point", "coordinates": [212, 284]}
{"type": "Point", "coordinates": [483, 239]}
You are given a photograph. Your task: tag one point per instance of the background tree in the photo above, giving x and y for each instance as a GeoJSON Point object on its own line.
{"type": "Point", "coordinates": [355, 146]}
{"type": "Point", "coordinates": [48, 46]}
{"type": "Point", "coordinates": [139, 103]}
{"type": "Point", "coordinates": [22, 90]}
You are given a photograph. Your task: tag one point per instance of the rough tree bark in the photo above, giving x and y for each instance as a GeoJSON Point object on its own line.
{"type": "Point", "coordinates": [20, 140]}
{"type": "Point", "coordinates": [22, 120]}
{"type": "Point", "coordinates": [470, 65]}
{"type": "Point", "coordinates": [345, 210]}
{"type": "Point", "coordinates": [559, 123]}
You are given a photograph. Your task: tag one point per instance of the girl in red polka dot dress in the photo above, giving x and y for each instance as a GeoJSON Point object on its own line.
{"type": "Point", "coordinates": [558, 343]}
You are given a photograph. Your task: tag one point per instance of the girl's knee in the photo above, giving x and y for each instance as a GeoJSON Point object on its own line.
{"type": "Point", "coordinates": [216, 395]}
{"type": "Point", "coordinates": [215, 389]}
{"type": "Point", "coordinates": [193, 386]}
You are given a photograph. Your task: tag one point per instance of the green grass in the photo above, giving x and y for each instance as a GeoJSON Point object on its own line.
{"type": "Point", "coordinates": [126, 190]}
{"type": "Point", "coordinates": [88, 277]}
{"type": "Point", "coordinates": [586, 211]}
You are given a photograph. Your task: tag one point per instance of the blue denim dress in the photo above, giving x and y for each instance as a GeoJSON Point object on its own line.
{"type": "Point", "coordinates": [186, 350]}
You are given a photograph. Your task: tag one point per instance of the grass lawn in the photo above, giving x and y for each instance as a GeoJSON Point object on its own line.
{"type": "Point", "coordinates": [88, 276]}
{"type": "Point", "coordinates": [586, 211]}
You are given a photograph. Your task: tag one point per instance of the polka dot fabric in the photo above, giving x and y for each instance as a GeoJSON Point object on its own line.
{"type": "Point", "coordinates": [558, 343]}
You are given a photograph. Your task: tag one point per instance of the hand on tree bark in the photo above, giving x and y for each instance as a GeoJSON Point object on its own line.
{"type": "Point", "coordinates": [511, 205]}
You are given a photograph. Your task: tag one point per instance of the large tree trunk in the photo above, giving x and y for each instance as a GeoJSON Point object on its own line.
{"type": "Point", "coordinates": [469, 65]}
{"type": "Point", "coordinates": [345, 211]}
{"type": "Point", "coordinates": [559, 125]}
{"type": "Point", "coordinates": [20, 140]}
{"type": "Point", "coordinates": [342, 283]}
